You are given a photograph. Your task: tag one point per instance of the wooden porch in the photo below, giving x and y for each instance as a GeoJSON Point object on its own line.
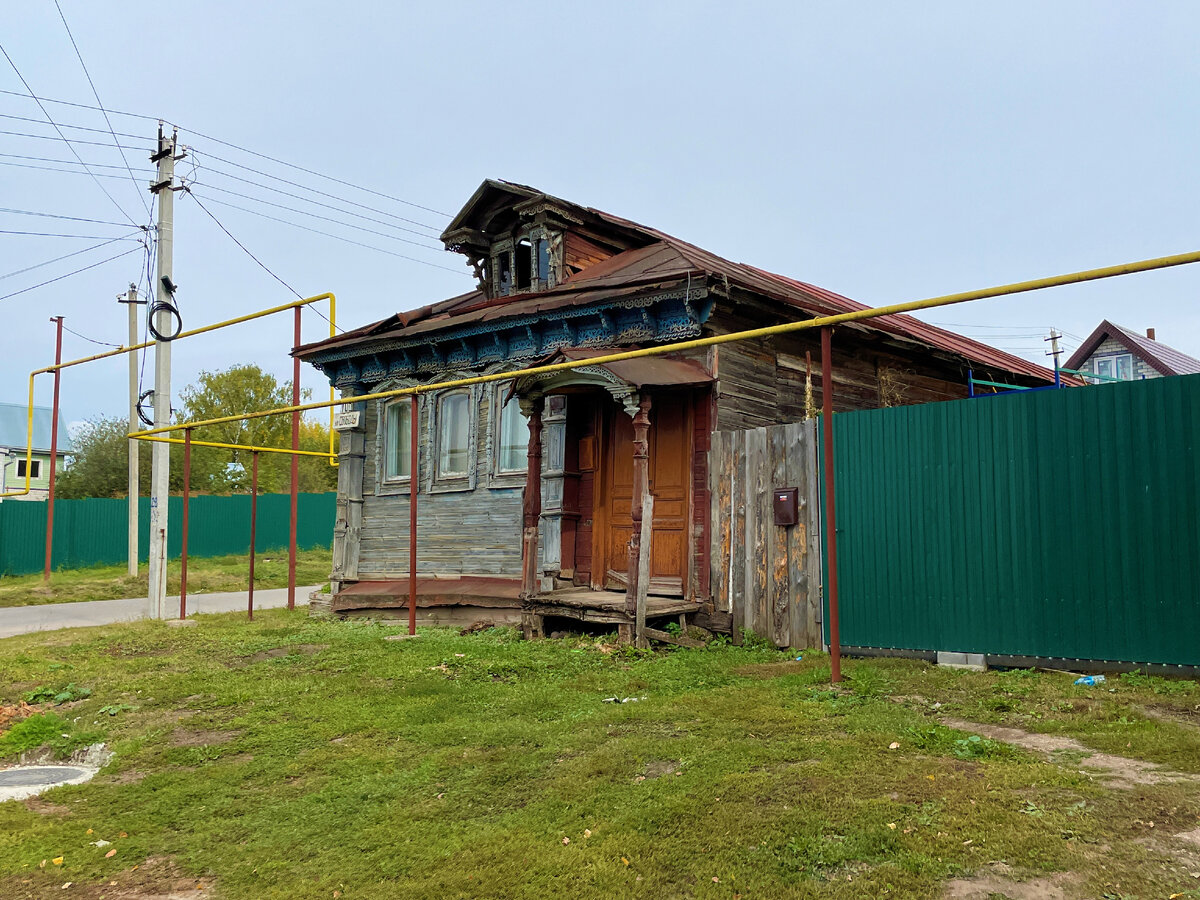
{"type": "Point", "coordinates": [603, 608]}
{"type": "Point", "coordinates": [455, 600]}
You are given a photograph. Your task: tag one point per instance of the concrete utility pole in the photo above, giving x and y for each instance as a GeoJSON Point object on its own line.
{"type": "Point", "coordinates": [1054, 349]}
{"type": "Point", "coordinates": [131, 300]}
{"type": "Point", "coordinates": [163, 326]}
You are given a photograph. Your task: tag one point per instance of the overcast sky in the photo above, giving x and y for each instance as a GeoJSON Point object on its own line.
{"type": "Point", "coordinates": [882, 154]}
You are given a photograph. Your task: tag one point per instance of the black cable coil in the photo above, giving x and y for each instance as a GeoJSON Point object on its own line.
{"type": "Point", "coordinates": [168, 307]}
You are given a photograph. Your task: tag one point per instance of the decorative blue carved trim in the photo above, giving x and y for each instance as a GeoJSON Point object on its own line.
{"type": "Point", "coordinates": [670, 316]}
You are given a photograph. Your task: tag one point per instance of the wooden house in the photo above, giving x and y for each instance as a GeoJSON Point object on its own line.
{"type": "Point", "coordinates": [547, 467]}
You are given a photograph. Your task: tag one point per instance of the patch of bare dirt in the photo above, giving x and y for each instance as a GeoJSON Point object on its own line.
{"type": "Point", "coordinates": [181, 737]}
{"type": "Point", "coordinates": [1118, 771]}
{"type": "Point", "coordinates": [998, 881]}
{"type": "Point", "coordinates": [476, 627]}
{"type": "Point", "coordinates": [278, 652]}
{"type": "Point", "coordinates": [45, 808]}
{"type": "Point", "coordinates": [1188, 718]}
{"type": "Point", "coordinates": [769, 670]}
{"type": "Point", "coordinates": [155, 879]}
{"type": "Point", "coordinates": [130, 777]}
{"type": "Point", "coordinates": [657, 768]}
{"type": "Point", "coordinates": [15, 713]}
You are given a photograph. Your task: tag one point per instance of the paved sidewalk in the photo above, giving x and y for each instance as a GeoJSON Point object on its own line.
{"type": "Point", "coordinates": [24, 619]}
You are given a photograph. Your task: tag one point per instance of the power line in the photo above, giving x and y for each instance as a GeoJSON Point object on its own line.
{"type": "Point", "coordinates": [74, 127]}
{"type": "Point", "coordinates": [267, 187]}
{"type": "Point", "coordinates": [358, 187]}
{"type": "Point", "coordinates": [65, 162]}
{"type": "Point", "coordinates": [314, 215]}
{"type": "Point", "coordinates": [337, 237]}
{"type": "Point", "coordinates": [84, 237]}
{"type": "Point", "coordinates": [100, 103]}
{"type": "Point", "coordinates": [69, 274]}
{"type": "Point", "coordinates": [18, 165]}
{"type": "Point", "coordinates": [261, 264]}
{"type": "Point", "coordinates": [91, 340]}
{"type": "Point", "coordinates": [65, 256]}
{"type": "Point", "coordinates": [209, 137]}
{"type": "Point", "coordinates": [115, 112]}
{"type": "Point", "coordinates": [27, 212]}
{"type": "Point", "coordinates": [312, 190]}
{"type": "Point", "coordinates": [50, 137]}
{"type": "Point", "coordinates": [50, 119]}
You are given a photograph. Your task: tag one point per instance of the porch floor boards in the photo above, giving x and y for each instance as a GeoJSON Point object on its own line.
{"type": "Point", "coordinates": [606, 607]}
{"type": "Point", "coordinates": [583, 604]}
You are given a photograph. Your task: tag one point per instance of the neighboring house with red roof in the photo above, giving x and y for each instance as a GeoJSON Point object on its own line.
{"type": "Point", "coordinates": [1113, 351]}
{"type": "Point", "coordinates": [556, 280]}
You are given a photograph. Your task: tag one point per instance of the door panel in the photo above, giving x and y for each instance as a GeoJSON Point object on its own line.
{"type": "Point", "coordinates": [670, 482]}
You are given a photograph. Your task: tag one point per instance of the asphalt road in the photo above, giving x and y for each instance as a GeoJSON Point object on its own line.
{"type": "Point", "coordinates": [51, 616]}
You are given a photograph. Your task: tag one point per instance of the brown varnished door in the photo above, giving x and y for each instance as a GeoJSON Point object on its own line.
{"type": "Point", "coordinates": [670, 483]}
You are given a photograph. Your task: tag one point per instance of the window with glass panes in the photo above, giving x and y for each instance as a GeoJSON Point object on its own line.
{"type": "Point", "coordinates": [512, 435]}
{"type": "Point", "coordinates": [453, 434]}
{"type": "Point", "coordinates": [1120, 367]}
{"type": "Point", "coordinates": [398, 443]}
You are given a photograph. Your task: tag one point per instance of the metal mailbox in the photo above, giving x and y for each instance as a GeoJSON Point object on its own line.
{"type": "Point", "coordinates": [786, 502]}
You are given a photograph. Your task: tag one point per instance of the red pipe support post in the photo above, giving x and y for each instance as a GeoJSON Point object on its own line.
{"type": "Point", "coordinates": [53, 448]}
{"type": "Point", "coordinates": [183, 536]}
{"type": "Point", "coordinates": [831, 581]}
{"type": "Point", "coordinates": [253, 526]}
{"type": "Point", "coordinates": [291, 596]}
{"type": "Point", "coordinates": [412, 519]}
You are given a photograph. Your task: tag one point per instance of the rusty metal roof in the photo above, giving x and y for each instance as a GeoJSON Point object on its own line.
{"type": "Point", "coordinates": [666, 262]}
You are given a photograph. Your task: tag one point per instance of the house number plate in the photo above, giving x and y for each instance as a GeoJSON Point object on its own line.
{"type": "Point", "coordinates": [344, 421]}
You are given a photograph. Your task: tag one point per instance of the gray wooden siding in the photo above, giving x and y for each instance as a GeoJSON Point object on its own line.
{"type": "Point", "coordinates": [464, 527]}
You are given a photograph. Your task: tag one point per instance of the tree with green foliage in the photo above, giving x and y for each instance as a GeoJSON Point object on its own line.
{"type": "Point", "coordinates": [242, 389]}
{"type": "Point", "coordinates": [99, 466]}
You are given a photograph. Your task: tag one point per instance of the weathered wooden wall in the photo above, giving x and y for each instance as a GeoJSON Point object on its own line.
{"type": "Point", "coordinates": [767, 576]}
{"type": "Point", "coordinates": [472, 528]}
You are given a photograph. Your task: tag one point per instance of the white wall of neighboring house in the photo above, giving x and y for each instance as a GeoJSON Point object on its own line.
{"type": "Point", "coordinates": [1111, 348]}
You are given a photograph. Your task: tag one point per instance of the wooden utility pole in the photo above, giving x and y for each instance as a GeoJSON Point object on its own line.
{"type": "Point", "coordinates": [131, 300]}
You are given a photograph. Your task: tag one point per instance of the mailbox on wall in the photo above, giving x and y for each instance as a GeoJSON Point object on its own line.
{"type": "Point", "coordinates": [786, 502]}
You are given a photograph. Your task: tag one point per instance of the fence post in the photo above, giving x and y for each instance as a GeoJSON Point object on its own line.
{"type": "Point", "coordinates": [183, 536]}
{"type": "Point", "coordinates": [253, 525]}
{"type": "Point", "coordinates": [835, 647]}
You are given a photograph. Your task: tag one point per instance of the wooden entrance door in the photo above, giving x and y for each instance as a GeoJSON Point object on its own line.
{"type": "Point", "coordinates": [670, 484]}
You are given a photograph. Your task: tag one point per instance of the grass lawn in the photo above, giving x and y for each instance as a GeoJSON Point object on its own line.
{"type": "Point", "coordinates": [297, 758]}
{"type": "Point", "coordinates": [218, 573]}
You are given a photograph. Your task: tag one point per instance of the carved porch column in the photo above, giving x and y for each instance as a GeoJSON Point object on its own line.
{"type": "Point", "coordinates": [531, 503]}
{"type": "Point", "coordinates": [641, 475]}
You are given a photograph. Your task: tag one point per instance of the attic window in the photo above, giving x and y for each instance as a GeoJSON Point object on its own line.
{"type": "Point", "coordinates": [504, 280]}
{"type": "Point", "coordinates": [541, 249]}
{"type": "Point", "coordinates": [524, 264]}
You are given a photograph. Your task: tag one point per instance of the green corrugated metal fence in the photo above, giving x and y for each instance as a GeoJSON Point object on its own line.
{"type": "Point", "coordinates": [1057, 523]}
{"type": "Point", "coordinates": [93, 532]}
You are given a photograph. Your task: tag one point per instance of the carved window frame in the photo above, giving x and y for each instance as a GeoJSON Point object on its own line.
{"type": "Point", "coordinates": [435, 482]}
{"type": "Point", "coordinates": [503, 478]}
{"type": "Point", "coordinates": [397, 485]}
